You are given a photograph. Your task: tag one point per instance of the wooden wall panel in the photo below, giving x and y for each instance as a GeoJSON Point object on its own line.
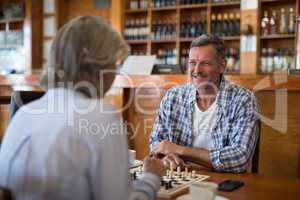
{"type": "Point", "coordinates": [4, 111]}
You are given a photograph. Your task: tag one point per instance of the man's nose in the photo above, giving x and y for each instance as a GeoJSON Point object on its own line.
{"type": "Point", "coordinates": [198, 67]}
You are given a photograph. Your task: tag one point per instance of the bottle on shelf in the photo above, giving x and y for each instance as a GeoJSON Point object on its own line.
{"type": "Point", "coordinates": [233, 60]}
{"type": "Point", "coordinates": [291, 25]}
{"type": "Point", "coordinates": [273, 23]}
{"type": "Point", "coordinates": [143, 4]}
{"type": "Point", "coordinates": [237, 26]}
{"type": "Point", "coordinates": [280, 59]}
{"type": "Point", "coordinates": [166, 56]}
{"type": "Point", "coordinates": [133, 4]}
{"type": "Point", "coordinates": [213, 24]}
{"type": "Point", "coordinates": [163, 3]}
{"type": "Point", "coordinates": [225, 26]}
{"type": "Point", "coordinates": [283, 22]}
{"type": "Point", "coordinates": [184, 57]}
{"type": "Point", "coordinates": [218, 27]}
{"type": "Point", "coordinates": [264, 61]}
{"type": "Point", "coordinates": [270, 61]}
{"type": "Point", "coordinates": [265, 24]}
{"type": "Point", "coordinates": [231, 24]}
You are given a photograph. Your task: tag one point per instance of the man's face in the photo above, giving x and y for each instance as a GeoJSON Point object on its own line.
{"type": "Point", "coordinates": [203, 67]}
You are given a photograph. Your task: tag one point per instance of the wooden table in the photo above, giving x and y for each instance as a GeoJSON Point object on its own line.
{"type": "Point", "coordinates": [258, 187]}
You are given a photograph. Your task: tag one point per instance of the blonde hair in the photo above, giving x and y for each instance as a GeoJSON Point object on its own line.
{"type": "Point", "coordinates": [81, 49]}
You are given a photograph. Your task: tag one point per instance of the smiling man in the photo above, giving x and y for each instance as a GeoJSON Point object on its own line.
{"type": "Point", "coordinates": [209, 121]}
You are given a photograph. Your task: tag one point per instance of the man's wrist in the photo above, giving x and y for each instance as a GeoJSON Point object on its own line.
{"type": "Point", "coordinates": [180, 150]}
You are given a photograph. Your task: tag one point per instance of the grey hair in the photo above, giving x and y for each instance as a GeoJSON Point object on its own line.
{"type": "Point", "coordinates": [83, 48]}
{"type": "Point", "coordinates": [217, 43]}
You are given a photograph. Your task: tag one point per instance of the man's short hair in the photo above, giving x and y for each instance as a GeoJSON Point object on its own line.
{"type": "Point", "coordinates": [205, 40]}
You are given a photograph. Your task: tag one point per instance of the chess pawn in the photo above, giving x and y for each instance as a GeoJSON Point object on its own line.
{"type": "Point", "coordinates": [193, 174]}
{"type": "Point", "coordinates": [178, 171]}
{"type": "Point", "coordinates": [190, 175]}
{"type": "Point", "coordinates": [186, 171]}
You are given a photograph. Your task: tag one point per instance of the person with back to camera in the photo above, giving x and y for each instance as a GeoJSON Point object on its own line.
{"type": "Point", "coordinates": [70, 144]}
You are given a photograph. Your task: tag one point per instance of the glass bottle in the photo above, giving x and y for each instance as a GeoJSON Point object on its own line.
{"type": "Point", "coordinates": [282, 26]}
{"type": "Point", "coordinates": [213, 24]}
{"type": "Point", "coordinates": [265, 24]}
{"type": "Point", "coordinates": [270, 60]}
{"type": "Point", "coordinates": [264, 61]}
{"type": "Point", "coordinates": [225, 31]}
{"type": "Point", "coordinates": [291, 26]}
{"type": "Point", "coordinates": [219, 25]}
{"type": "Point", "coordinates": [237, 23]}
{"type": "Point", "coordinates": [273, 23]}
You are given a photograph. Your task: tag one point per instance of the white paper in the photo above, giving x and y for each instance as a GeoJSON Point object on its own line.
{"type": "Point", "coordinates": [49, 6]}
{"type": "Point", "coordinates": [49, 27]}
{"type": "Point", "coordinates": [138, 65]}
{"type": "Point", "coordinates": [249, 4]}
{"type": "Point", "coordinates": [248, 43]}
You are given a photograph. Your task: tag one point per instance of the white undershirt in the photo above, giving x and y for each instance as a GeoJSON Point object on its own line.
{"type": "Point", "coordinates": [203, 123]}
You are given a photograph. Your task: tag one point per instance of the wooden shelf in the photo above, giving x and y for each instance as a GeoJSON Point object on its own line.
{"type": "Point", "coordinates": [136, 41]}
{"type": "Point", "coordinates": [186, 39]}
{"type": "Point", "coordinates": [164, 41]}
{"type": "Point", "coordinates": [268, 37]}
{"type": "Point", "coordinates": [230, 38]}
{"type": "Point", "coordinates": [193, 6]}
{"type": "Point", "coordinates": [164, 8]}
{"type": "Point", "coordinates": [15, 20]}
{"type": "Point", "coordinates": [136, 11]}
{"type": "Point", "coordinates": [225, 4]}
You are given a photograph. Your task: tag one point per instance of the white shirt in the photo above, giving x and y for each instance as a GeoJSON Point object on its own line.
{"type": "Point", "coordinates": [57, 148]}
{"type": "Point", "coordinates": [203, 123]}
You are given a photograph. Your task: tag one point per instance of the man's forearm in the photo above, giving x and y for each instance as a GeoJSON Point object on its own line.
{"type": "Point", "coordinates": [195, 155]}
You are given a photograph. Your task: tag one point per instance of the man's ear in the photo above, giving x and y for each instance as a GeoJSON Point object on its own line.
{"type": "Point", "coordinates": [222, 66]}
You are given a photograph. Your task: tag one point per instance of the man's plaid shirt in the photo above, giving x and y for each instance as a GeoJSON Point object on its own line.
{"type": "Point", "coordinates": [234, 135]}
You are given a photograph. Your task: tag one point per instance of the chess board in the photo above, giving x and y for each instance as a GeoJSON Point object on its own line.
{"type": "Point", "coordinates": [174, 183]}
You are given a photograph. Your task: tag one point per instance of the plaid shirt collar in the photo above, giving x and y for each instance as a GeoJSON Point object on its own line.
{"type": "Point", "coordinates": [221, 96]}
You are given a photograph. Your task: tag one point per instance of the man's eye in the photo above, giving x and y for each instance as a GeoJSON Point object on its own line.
{"type": "Point", "coordinates": [205, 63]}
{"type": "Point", "coordinates": [192, 63]}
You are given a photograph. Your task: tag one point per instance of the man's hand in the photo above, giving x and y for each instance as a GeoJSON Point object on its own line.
{"type": "Point", "coordinates": [166, 147]}
{"type": "Point", "coordinates": [153, 165]}
{"type": "Point", "coordinates": [172, 160]}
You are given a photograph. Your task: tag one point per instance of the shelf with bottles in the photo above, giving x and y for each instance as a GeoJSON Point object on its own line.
{"type": "Point", "coordinates": [275, 60]}
{"type": "Point", "coordinates": [136, 28]}
{"type": "Point", "coordinates": [216, 3]}
{"type": "Point", "coordinates": [166, 53]}
{"type": "Point", "coordinates": [192, 24]}
{"type": "Point", "coordinates": [233, 60]}
{"type": "Point", "coordinates": [226, 24]}
{"type": "Point", "coordinates": [138, 49]}
{"type": "Point", "coordinates": [157, 5]}
{"type": "Point", "coordinates": [164, 27]}
{"type": "Point", "coordinates": [278, 19]}
{"type": "Point", "coordinates": [136, 5]}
